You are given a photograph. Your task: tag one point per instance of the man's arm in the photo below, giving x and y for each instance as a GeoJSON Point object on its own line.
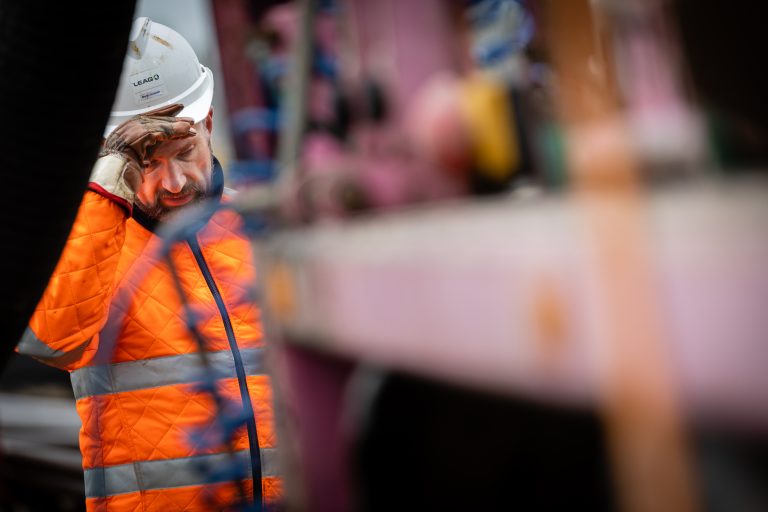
{"type": "Point", "coordinates": [63, 330]}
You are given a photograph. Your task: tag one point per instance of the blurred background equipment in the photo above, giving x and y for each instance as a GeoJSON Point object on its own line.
{"type": "Point", "coordinates": [594, 290]}
{"type": "Point", "coordinates": [510, 251]}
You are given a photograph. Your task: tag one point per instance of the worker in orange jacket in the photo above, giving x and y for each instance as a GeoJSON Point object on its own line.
{"type": "Point", "coordinates": [113, 313]}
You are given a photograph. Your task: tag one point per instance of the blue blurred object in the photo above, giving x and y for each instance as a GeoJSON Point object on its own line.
{"type": "Point", "coordinates": [328, 6]}
{"type": "Point", "coordinates": [255, 119]}
{"type": "Point", "coordinates": [324, 65]}
{"type": "Point", "coordinates": [249, 172]}
{"type": "Point", "coordinates": [500, 28]}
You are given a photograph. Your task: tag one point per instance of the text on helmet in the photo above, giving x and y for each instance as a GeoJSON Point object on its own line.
{"type": "Point", "coordinates": [146, 80]}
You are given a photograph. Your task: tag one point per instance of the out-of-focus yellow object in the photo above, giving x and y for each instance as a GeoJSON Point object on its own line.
{"type": "Point", "coordinates": [490, 117]}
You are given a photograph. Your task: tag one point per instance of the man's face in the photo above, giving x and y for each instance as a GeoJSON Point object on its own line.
{"type": "Point", "coordinates": [178, 174]}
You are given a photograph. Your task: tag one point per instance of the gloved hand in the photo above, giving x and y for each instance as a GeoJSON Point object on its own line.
{"type": "Point", "coordinates": [134, 139]}
{"type": "Point", "coordinates": [118, 171]}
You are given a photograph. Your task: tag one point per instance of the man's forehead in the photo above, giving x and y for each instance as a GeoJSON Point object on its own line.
{"type": "Point", "coordinates": [170, 147]}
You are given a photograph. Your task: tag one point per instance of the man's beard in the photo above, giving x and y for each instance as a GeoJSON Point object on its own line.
{"type": "Point", "coordinates": [159, 212]}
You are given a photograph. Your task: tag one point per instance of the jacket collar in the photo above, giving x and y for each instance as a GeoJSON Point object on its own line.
{"type": "Point", "coordinates": [215, 193]}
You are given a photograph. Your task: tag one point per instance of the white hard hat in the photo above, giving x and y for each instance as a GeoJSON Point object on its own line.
{"type": "Point", "coordinates": [160, 69]}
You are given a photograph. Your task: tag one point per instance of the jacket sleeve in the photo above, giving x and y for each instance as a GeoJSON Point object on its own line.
{"type": "Point", "coordinates": [63, 330]}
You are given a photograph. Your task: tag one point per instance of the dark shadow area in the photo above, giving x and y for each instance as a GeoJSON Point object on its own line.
{"type": "Point", "coordinates": [59, 78]}
{"type": "Point", "coordinates": [431, 446]}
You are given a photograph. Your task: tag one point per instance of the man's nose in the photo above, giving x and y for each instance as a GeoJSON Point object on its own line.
{"type": "Point", "coordinates": [173, 179]}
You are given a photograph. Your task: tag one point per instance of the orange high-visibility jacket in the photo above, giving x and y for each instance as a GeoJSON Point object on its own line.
{"type": "Point", "coordinates": [111, 315]}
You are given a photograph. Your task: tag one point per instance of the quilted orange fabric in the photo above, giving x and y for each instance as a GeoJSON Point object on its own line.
{"type": "Point", "coordinates": [112, 317]}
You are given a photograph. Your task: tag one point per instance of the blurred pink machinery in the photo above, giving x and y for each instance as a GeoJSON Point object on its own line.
{"type": "Point", "coordinates": [642, 303]}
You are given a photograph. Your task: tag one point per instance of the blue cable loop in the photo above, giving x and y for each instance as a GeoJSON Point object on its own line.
{"type": "Point", "coordinates": [229, 419]}
{"type": "Point", "coordinates": [232, 471]}
{"type": "Point", "coordinates": [230, 416]}
{"type": "Point", "coordinates": [187, 225]}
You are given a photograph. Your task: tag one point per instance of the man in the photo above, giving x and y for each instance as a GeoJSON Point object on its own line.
{"type": "Point", "coordinates": [114, 311]}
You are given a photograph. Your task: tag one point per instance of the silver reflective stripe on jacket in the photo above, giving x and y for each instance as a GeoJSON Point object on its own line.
{"type": "Point", "coordinates": [32, 346]}
{"type": "Point", "coordinates": [160, 371]}
{"type": "Point", "coordinates": [170, 473]}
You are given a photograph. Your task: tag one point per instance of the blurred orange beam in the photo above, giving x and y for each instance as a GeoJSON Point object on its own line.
{"type": "Point", "coordinates": [640, 404]}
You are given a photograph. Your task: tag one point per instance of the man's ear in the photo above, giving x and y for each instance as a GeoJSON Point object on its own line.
{"type": "Point", "coordinates": [209, 120]}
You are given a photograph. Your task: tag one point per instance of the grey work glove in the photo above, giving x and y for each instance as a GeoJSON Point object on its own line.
{"type": "Point", "coordinates": [118, 171]}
